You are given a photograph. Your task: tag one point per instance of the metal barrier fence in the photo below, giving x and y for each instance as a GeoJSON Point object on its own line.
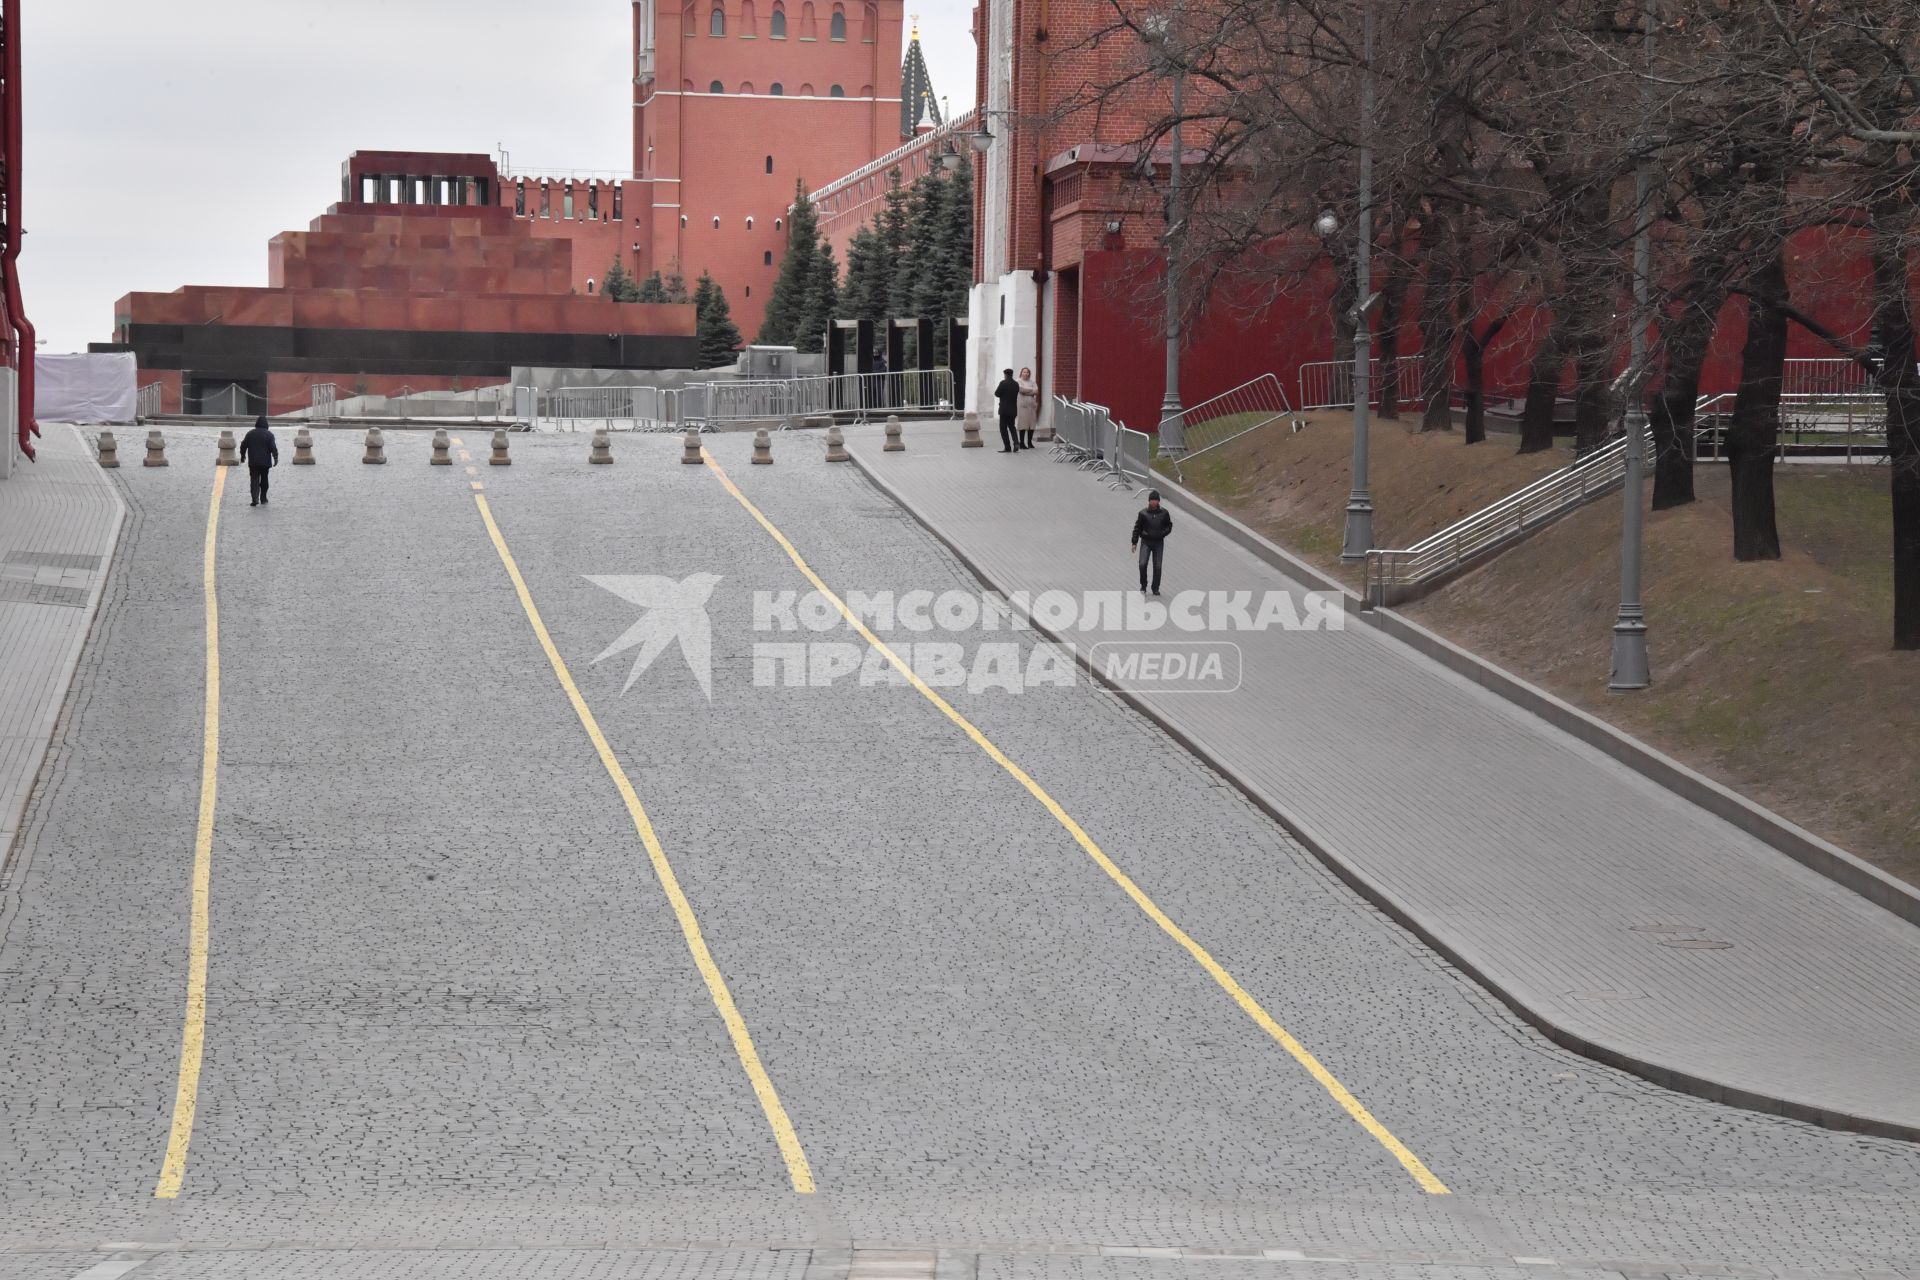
{"type": "Point", "coordinates": [1328, 384]}
{"type": "Point", "coordinates": [230, 401]}
{"type": "Point", "coordinates": [148, 401]}
{"type": "Point", "coordinates": [1232, 414]}
{"type": "Point", "coordinates": [1086, 436]}
{"type": "Point", "coordinates": [1838, 425]}
{"type": "Point", "coordinates": [325, 396]}
{"type": "Point", "coordinates": [1395, 575]}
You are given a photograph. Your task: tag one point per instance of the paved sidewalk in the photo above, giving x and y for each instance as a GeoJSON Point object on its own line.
{"type": "Point", "coordinates": [59, 520]}
{"type": "Point", "coordinates": [1616, 912]}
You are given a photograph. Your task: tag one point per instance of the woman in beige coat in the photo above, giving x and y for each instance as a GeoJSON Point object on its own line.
{"type": "Point", "coordinates": [1029, 414]}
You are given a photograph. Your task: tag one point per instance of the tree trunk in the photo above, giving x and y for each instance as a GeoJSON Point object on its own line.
{"type": "Point", "coordinates": [1473, 351]}
{"type": "Point", "coordinates": [1754, 432]}
{"type": "Point", "coordinates": [1543, 391]}
{"type": "Point", "coordinates": [1438, 326]}
{"type": "Point", "coordinates": [1671, 415]}
{"type": "Point", "coordinates": [1393, 297]}
{"type": "Point", "coordinates": [1894, 325]}
{"type": "Point", "coordinates": [1592, 399]}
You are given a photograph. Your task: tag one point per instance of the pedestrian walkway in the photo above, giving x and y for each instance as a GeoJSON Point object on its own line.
{"type": "Point", "coordinates": [59, 520]}
{"type": "Point", "coordinates": [1617, 914]}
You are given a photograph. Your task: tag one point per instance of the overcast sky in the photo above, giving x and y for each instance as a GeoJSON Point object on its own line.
{"type": "Point", "coordinates": [167, 143]}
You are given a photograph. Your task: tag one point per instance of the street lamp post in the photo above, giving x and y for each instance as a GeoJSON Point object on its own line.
{"type": "Point", "coordinates": [1173, 415]}
{"type": "Point", "coordinates": [1359, 531]}
{"type": "Point", "coordinates": [1631, 669]}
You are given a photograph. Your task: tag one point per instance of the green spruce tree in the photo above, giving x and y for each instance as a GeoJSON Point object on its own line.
{"type": "Point", "coordinates": [651, 290]}
{"type": "Point", "coordinates": [922, 253]}
{"type": "Point", "coordinates": [675, 285]}
{"type": "Point", "coordinates": [719, 336]}
{"type": "Point", "coordinates": [821, 302]}
{"type": "Point", "coordinates": [791, 287]}
{"type": "Point", "coordinates": [864, 296]}
{"type": "Point", "coordinates": [618, 285]}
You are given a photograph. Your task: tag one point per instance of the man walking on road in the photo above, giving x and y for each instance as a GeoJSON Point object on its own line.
{"type": "Point", "coordinates": [1008, 394]}
{"type": "Point", "coordinates": [260, 452]}
{"type": "Point", "coordinates": [1150, 530]}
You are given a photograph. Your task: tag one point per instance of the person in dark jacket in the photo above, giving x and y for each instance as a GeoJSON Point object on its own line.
{"type": "Point", "coordinates": [260, 452]}
{"type": "Point", "coordinates": [1150, 530]}
{"type": "Point", "coordinates": [1008, 394]}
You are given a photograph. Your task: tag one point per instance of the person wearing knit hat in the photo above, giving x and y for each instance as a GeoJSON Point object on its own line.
{"type": "Point", "coordinates": [1150, 530]}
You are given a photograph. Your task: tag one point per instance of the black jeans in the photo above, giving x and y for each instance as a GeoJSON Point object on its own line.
{"type": "Point", "coordinates": [1151, 549]}
{"type": "Point", "coordinates": [257, 482]}
{"type": "Point", "coordinates": [1009, 438]}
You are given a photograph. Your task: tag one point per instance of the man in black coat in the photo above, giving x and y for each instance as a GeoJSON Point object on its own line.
{"type": "Point", "coordinates": [1150, 530]}
{"type": "Point", "coordinates": [260, 452]}
{"type": "Point", "coordinates": [1008, 394]}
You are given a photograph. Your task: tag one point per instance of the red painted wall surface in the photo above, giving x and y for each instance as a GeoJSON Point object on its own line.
{"type": "Point", "coordinates": [704, 156]}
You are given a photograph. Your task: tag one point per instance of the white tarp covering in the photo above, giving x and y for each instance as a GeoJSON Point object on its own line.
{"type": "Point", "coordinates": [84, 388]}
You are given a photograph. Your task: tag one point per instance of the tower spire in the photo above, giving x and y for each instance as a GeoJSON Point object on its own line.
{"type": "Point", "coordinates": [919, 108]}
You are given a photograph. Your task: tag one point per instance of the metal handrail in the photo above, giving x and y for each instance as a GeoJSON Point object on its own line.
{"type": "Point", "coordinates": [1393, 574]}
{"type": "Point", "coordinates": [149, 401]}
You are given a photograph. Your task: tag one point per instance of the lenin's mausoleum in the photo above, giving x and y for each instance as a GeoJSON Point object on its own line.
{"type": "Point", "coordinates": [437, 271]}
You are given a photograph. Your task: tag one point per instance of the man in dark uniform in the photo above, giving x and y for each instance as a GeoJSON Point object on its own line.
{"type": "Point", "coordinates": [1008, 394]}
{"type": "Point", "coordinates": [260, 452]}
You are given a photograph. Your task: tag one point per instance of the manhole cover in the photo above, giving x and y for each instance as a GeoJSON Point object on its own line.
{"type": "Point", "coordinates": [1667, 928]}
{"type": "Point", "coordinates": [1696, 944]}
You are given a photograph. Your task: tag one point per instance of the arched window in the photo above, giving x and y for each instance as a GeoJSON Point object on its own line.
{"type": "Point", "coordinates": [806, 20]}
{"type": "Point", "coordinates": [806, 91]}
{"type": "Point", "coordinates": [749, 28]}
{"type": "Point", "coordinates": [749, 222]}
{"type": "Point", "coordinates": [716, 222]}
{"type": "Point", "coordinates": [717, 24]}
{"type": "Point", "coordinates": [686, 86]}
{"type": "Point", "coordinates": [716, 87]}
{"type": "Point", "coordinates": [836, 92]}
{"type": "Point", "coordinates": [837, 25]}
{"type": "Point", "coordinates": [746, 86]}
{"type": "Point", "coordinates": [589, 284]}
{"type": "Point", "coordinates": [776, 224]}
{"type": "Point", "coordinates": [866, 91]}
{"type": "Point", "coordinates": [777, 24]}
{"type": "Point", "coordinates": [769, 164]}
{"type": "Point", "coordinates": [777, 89]}
{"type": "Point", "coordinates": [870, 23]}
{"type": "Point", "coordinates": [766, 259]}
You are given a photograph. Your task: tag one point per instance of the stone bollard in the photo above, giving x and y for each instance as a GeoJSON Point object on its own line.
{"type": "Point", "coordinates": [228, 457]}
{"type": "Point", "coordinates": [156, 450]}
{"type": "Point", "coordinates": [762, 448]}
{"type": "Point", "coordinates": [837, 446]}
{"type": "Point", "coordinates": [376, 446]}
{"type": "Point", "coordinates": [690, 448]}
{"type": "Point", "coordinates": [499, 458]}
{"type": "Point", "coordinates": [440, 458]}
{"type": "Point", "coordinates": [303, 448]}
{"type": "Point", "coordinates": [895, 441]}
{"type": "Point", "coordinates": [970, 432]}
{"type": "Point", "coordinates": [109, 450]}
{"type": "Point", "coordinates": [602, 447]}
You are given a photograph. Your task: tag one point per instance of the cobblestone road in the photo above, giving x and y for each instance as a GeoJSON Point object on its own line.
{"type": "Point", "coordinates": [449, 1007]}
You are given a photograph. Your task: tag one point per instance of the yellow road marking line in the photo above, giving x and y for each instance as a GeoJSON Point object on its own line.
{"type": "Point", "coordinates": [798, 1169]}
{"type": "Point", "coordinates": [465, 456]}
{"type": "Point", "coordinates": [477, 486]}
{"type": "Point", "coordinates": [186, 1094]}
{"type": "Point", "coordinates": [1241, 996]}
{"type": "Point", "coordinates": [456, 441]}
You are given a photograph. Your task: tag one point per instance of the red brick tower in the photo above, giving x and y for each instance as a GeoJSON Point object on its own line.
{"type": "Point", "coordinates": [733, 101]}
